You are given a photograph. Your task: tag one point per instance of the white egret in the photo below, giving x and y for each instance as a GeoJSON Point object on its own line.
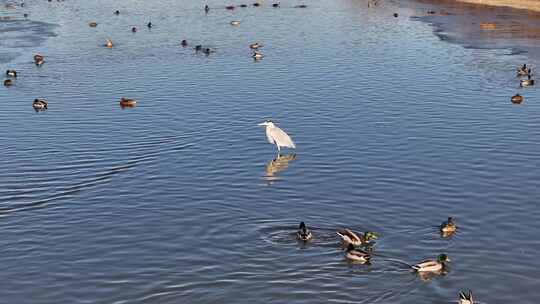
{"type": "Point", "coordinates": [277, 136]}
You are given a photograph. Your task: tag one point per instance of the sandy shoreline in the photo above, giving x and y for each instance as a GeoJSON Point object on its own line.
{"type": "Point", "coordinates": [532, 5]}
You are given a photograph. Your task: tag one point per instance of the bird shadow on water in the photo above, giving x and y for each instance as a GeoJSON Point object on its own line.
{"type": "Point", "coordinates": [279, 164]}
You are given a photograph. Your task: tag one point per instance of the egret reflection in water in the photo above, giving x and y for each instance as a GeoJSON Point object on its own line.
{"type": "Point", "coordinates": [276, 165]}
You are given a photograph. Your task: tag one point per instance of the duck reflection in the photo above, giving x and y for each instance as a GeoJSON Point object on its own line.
{"type": "Point", "coordinates": [278, 164]}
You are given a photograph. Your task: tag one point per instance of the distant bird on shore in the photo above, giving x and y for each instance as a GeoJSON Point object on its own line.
{"type": "Point", "coordinates": [39, 104]}
{"type": "Point", "coordinates": [526, 82]}
{"type": "Point", "coordinates": [466, 298]}
{"type": "Point", "coordinates": [517, 98]}
{"type": "Point", "coordinates": [39, 59]}
{"type": "Point", "coordinates": [276, 136]}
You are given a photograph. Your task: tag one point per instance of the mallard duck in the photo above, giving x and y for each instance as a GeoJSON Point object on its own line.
{"type": "Point", "coordinates": [448, 226]}
{"type": "Point", "coordinates": [396, 15]}
{"type": "Point", "coordinates": [183, 43]}
{"type": "Point", "coordinates": [133, 29]}
{"type": "Point", "coordinates": [243, 5]}
{"type": "Point", "coordinates": [149, 25]}
{"type": "Point", "coordinates": [208, 51]}
{"type": "Point", "coordinates": [349, 237]}
{"type": "Point", "coordinates": [526, 82]}
{"type": "Point", "coordinates": [127, 102]}
{"type": "Point", "coordinates": [206, 8]}
{"type": "Point", "coordinates": [39, 104]}
{"type": "Point", "coordinates": [235, 22]}
{"type": "Point", "coordinates": [11, 73]}
{"type": "Point", "coordinates": [256, 4]}
{"type": "Point", "coordinates": [275, 5]}
{"type": "Point", "coordinates": [109, 43]}
{"type": "Point", "coordinates": [255, 46]}
{"type": "Point", "coordinates": [431, 265]}
{"type": "Point", "coordinates": [257, 55]}
{"type": "Point", "coordinates": [117, 12]}
{"type": "Point", "coordinates": [229, 7]}
{"type": "Point", "coordinates": [8, 82]}
{"type": "Point", "coordinates": [198, 48]}
{"type": "Point", "coordinates": [357, 255]}
{"type": "Point", "coordinates": [523, 71]}
{"type": "Point", "coordinates": [92, 24]}
{"type": "Point", "coordinates": [303, 233]}
{"type": "Point", "coordinates": [39, 59]}
{"type": "Point", "coordinates": [466, 298]}
{"type": "Point", "coordinates": [517, 98]}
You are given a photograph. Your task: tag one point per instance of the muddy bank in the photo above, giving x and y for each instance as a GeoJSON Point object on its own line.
{"type": "Point", "coordinates": [532, 5]}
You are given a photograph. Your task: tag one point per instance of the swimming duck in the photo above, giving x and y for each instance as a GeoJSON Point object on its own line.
{"type": "Point", "coordinates": [256, 4]}
{"type": "Point", "coordinates": [255, 46]}
{"type": "Point", "coordinates": [448, 226]}
{"type": "Point", "coordinates": [432, 265]}
{"type": "Point", "coordinates": [301, 6]}
{"type": "Point", "coordinates": [257, 55]}
{"type": "Point", "coordinates": [92, 24]}
{"type": "Point", "coordinates": [117, 12]}
{"type": "Point", "coordinates": [149, 25]}
{"type": "Point", "coordinates": [523, 71]}
{"type": "Point", "coordinates": [11, 73]}
{"type": "Point", "coordinates": [127, 102]}
{"type": "Point", "coordinates": [230, 7]}
{"type": "Point", "coordinates": [8, 82]}
{"type": "Point", "coordinates": [25, 15]}
{"type": "Point", "coordinates": [396, 15]}
{"type": "Point", "coordinates": [517, 98]}
{"type": "Point", "coordinates": [198, 48]}
{"type": "Point", "coordinates": [206, 8]}
{"type": "Point", "coordinates": [275, 5]}
{"type": "Point", "coordinates": [357, 255]}
{"type": "Point", "coordinates": [39, 104]}
{"type": "Point", "coordinates": [183, 43]}
{"type": "Point", "coordinates": [39, 59]}
{"type": "Point", "coordinates": [134, 29]}
{"type": "Point", "coordinates": [526, 82]}
{"type": "Point", "coordinates": [466, 298]}
{"type": "Point", "coordinates": [303, 233]}
{"type": "Point", "coordinates": [109, 43]}
{"type": "Point", "coordinates": [243, 5]}
{"type": "Point", "coordinates": [235, 22]}
{"type": "Point", "coordinates": [349, 237]}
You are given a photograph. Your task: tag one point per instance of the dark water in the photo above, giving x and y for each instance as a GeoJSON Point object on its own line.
{"type": "Point", "coordinates": [180, 200]}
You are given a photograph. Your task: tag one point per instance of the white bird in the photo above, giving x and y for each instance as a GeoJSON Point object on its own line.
{"type": "Point", "coordinates": [276, 136]}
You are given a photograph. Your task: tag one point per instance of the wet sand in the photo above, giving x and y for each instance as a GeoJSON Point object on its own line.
{"type": "Point", "coordinates": [481, 26]}
{"type": "Point", "coordinates": [532, 5]}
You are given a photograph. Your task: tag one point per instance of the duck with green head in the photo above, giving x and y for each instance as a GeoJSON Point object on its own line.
{"type": "Point", "coordinates": [432, 265]}
{"type": "Point", "coordinates": [350, 237]}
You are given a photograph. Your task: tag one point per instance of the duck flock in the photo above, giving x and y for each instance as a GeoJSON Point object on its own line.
{"type": "Point", "coordinates": [359, 249]}
{"type": "Point", "coordinates": [524, 74]}
{"type": "Point", "coordinates": [39, 59]}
